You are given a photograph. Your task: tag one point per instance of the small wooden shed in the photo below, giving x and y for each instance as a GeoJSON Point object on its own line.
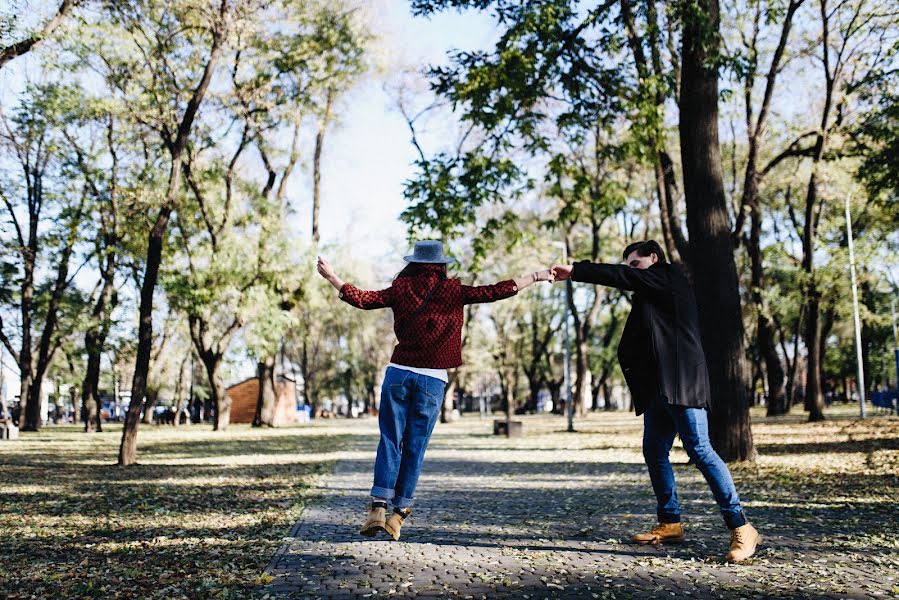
{"type": "Point", "coordinates": [245, 395]}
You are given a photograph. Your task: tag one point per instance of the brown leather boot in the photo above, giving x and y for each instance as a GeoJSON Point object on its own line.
{"type": "Point", "coordinates": [375, 521]}
{"type": "Point", "coordinates": [743, 542]}
{"type": "Point", "coordinates": [395, 521]}
{"type": "Point", "coordinates": [663, 533]}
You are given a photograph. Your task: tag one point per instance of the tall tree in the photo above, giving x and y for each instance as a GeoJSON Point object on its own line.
{"type": "Point", "coordinates": [105, 188]}
{"type": "Point", "coordinates": [45, 222]}
{"type": "Point", "coordinates": [756, 121]}
{"type": "Point", "coordinates": [173, 52]}
{"type": "Point", "coordinates": [711, 244]}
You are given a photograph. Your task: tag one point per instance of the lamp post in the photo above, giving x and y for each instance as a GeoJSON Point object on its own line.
{"type": "Point", "coordinates": [566, 370]}
{"type": "Point", "coordinates": [858, 329]}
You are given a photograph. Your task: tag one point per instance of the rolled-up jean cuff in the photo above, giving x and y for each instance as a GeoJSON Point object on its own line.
{"type": "Point", "coordinates": [380, 492]}
{"type": "Point", "coordinates": [734, 520]}
{"type": "Point", "coordinates": [401, 502]}
{"type": "Point", "coordinates": [668, 518]}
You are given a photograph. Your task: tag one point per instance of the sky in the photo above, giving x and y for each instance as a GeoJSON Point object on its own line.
{"type": "Point", "coordinates": [369, 154]}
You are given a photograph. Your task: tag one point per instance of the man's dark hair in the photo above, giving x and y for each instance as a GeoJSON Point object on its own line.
{"type": "Point", "coordinates": [645, 248]}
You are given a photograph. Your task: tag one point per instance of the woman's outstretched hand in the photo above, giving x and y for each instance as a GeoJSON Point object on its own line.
{"type": "Point", "coordinates": [562, 272]}
{"type": "Point", "coordinates": [327, 271]}
{"type": "Point", "coordinates": [526, 280]}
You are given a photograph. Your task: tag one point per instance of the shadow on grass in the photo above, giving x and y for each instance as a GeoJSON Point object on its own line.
{"type": "Point", "coordinates": [73, 529]}
{"type": "Point", "coordinates": [839, 447]}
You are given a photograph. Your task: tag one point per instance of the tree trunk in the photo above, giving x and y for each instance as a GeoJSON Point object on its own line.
{"type": "Point", "coordinates": [555, 395]}
{"type": "Point", "coordinates": [581, 382]}
{"type": "Point", "coordinates": [218, 396]}
{"type": "Point", "coordinates": [371, 396]}
{"type": "Point", "coordinates": [150, 402]}
{"type": "Point", "coordinates": [449, 396]}
{"type": "Point", "coordinates": [265, 402]}
{"type": "Point", "coordinates": [90, 393]}
{"type": "Point", "coordinates": [711, 244]}
{"type": "Point", "coordinates": [607, 395]}
{"type": "Point", "coordinates": [814, 397]}
{"type": "Point", "coordinates": [316, 164]}
{"type": "Point", "coordinates": [46, 347]}
{"type": "Point", "coordinates": [179, 391]}
{"type": "Point", "coordinates": [94, 342]}
{"type": "Point", "coordinates": [866, 335]}
{"type": "Point", "coordinates": [777, 404]}
{"type": "Point", "coordinates": [507, 387]}
{"type": "Point", "coordinates": [774, 372]}
{"type": "Point", "coordinates": [534, 386]}
{"type": "Point", "coordinates": [176, 147]}
{"type": "Point", "coordinates": [128, 447]}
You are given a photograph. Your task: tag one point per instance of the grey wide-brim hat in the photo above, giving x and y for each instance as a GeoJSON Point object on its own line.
{"type": "Point", "coordinates": [430, 252]}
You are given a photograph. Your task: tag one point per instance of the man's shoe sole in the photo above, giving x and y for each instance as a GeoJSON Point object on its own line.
{"type": "Point", "coordinates": [372, 530]}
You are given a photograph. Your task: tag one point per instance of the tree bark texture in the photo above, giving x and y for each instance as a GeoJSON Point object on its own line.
{"type": "Point", "coordinates": [265, 403]}
{"type": "Point", "coordinates": [711, 245]}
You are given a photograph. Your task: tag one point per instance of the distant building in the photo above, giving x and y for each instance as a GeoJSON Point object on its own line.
{"type": "Point", "coordinates": [245, 395]}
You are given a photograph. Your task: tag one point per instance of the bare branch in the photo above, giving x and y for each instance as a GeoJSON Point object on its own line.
{"type": "Point", "coordinates": [7, 343]}
{"type": "Point", "coordinates": [23, 46]}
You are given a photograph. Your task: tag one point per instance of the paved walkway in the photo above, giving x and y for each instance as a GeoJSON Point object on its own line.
{"type": "Point", "coordinates": [528, 518]}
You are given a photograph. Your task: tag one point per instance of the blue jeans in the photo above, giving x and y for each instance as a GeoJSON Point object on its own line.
{"type": "Point", "coordinates": [660, 422]}
{"type": "Point", "coordinates": [410, 404]}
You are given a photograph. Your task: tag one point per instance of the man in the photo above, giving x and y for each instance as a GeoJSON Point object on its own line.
{"type": "Point", "coordinates": [661, 356]}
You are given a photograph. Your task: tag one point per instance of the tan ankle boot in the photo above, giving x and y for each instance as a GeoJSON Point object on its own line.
{"type": "Point", "coordinates": [663, 533]}
{"type": "Point", "coordinates": [376, 520]}
{"type": "Point", "coordinates": [743, 542]}
{"type": "Point", "coordinates": [395, 521]}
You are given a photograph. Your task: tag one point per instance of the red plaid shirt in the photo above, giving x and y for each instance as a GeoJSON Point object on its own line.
{"type": "Point", "coordinates": [434, 339]}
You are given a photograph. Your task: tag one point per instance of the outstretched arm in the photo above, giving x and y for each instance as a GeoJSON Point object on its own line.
{"type": "Point", "coordinates": [503, 289]}
{"type": "Point", "coordinates": [352, 295]}
{"type": "Point", "coordinates": [617, 276]}
{"type": "Point", "coordinates": [526, 280]}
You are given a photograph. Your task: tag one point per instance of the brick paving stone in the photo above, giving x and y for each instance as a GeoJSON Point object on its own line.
{"type": "Point", "coordinates": [497, 520]}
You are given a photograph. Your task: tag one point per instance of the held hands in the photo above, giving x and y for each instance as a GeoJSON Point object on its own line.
{"type": "Point", "coordinates": [561, 272]}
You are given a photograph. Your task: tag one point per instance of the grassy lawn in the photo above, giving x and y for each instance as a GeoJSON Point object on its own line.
{"type": "Point", "coordinates": [199, 517]}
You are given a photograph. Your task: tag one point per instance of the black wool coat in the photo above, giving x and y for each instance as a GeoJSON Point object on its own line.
{"type": "Point", "coordinates": [660, 351]}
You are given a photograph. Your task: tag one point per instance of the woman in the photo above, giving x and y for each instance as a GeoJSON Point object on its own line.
{"type": "Point", "coordinates": [427, 314]}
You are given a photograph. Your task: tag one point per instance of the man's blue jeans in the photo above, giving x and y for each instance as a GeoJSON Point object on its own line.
{"type": "Point", "coordinates": [410, 404]}
{"type": "Point", "coordinates": [660, 423]}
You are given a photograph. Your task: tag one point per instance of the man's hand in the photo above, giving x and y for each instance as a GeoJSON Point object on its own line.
{"type": "Point", "coordinates": [562, 272]}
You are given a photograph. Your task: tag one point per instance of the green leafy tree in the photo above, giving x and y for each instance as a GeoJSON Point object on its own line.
{"type": "Point", "coordinates": [45, 212]}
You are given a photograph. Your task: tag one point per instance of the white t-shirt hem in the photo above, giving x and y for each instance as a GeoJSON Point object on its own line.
{"type": "Point", "coordinates": [435, 373]}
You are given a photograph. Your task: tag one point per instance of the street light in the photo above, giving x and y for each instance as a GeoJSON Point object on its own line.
{"type": "Point", "coordinates": [858, 329]}
{"type": "Point", "coordinates": [567, 349]}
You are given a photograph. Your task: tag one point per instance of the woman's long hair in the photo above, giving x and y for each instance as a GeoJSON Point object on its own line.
{"type": "Point", "coordinates": [414, 269]}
